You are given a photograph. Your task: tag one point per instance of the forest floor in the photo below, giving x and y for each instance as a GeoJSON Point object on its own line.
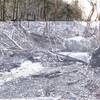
{"type": "Point", "coordinates": [35, 64]}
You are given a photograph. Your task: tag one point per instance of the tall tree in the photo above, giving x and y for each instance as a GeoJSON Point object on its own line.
{"type": "Point", "coordinates": [3, 10]}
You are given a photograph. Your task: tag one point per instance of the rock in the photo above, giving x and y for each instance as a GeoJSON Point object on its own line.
{"type": "Point", "coordinates": [95, 59]}
{"type": "Point", "coordinates": [80, 44]}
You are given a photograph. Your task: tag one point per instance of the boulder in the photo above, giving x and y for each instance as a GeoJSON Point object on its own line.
{"type": "Point", "coordinates": [80, 44]}
{"type": "Point", "coordinates": [95, 58]}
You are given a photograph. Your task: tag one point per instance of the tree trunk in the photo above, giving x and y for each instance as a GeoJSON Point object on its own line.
{"type": "Point", "coordinates": [3, 11]}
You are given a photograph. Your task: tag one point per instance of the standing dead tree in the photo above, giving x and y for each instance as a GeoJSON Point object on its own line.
{"type": "Point", "coordinates": [2, 8]}
{"type": "Point", "coordinates": [92, 10]}
{"type": "Point", "coordinates": [89, 19]}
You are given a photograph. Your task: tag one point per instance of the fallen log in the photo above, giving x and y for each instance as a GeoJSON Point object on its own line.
{"type": "Point", "coordinates": [64, 58]}
{"type": "Point", "coordinates": [49, 74]}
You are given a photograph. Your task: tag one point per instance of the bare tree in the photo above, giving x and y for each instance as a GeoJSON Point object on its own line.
{"type": "Point", "coordinates": [3, 10]}
{"type": "Point", "coordinates": [14, 9]}
{"type": "Point", "coordinates": [92, 11]}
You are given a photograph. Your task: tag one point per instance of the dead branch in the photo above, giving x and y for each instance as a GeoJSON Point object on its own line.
{"type": "Point", "coordinates": [13, 41]}
{"type": "Point", "coordinates": [49, 74]}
